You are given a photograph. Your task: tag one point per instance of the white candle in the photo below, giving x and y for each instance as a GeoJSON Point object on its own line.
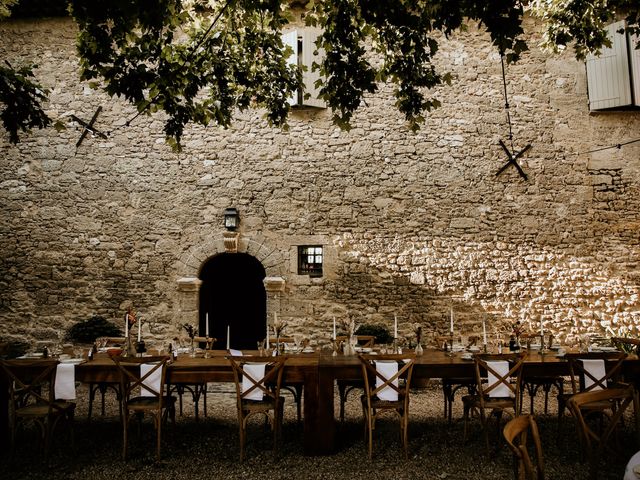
{"type": "Point", "coordinates": [395, 326]}
{"type": "Point", "coordinates": [126, 325]}
{"type": "Point", "coordinates": [334, 328]}
{"type": "Point", "coordinates": [228, 335]}
{"type": "Point", "coordinates": [451, 326]}
{"type": "Point", "coordinates": [484, 328]}
{"type": "Point", "coordinates": [267, 335]}
{"type": "Point", "coordinates": [541, 328]}
{"type": "Point", "coordinates": [139, 332]}
{"type": "Point", "coordinates": [206, 324]}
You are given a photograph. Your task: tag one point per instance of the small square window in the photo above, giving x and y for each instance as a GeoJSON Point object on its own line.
{"type": "Point", "coordinates": [310, 261]}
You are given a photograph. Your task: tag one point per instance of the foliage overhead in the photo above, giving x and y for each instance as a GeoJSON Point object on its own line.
{"type": "Point", "coordinates": [201, 60]}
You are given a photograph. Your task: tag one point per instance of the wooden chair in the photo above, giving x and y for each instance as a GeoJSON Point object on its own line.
{"type": "Point", "coordinates": [516, 432]}
{"type": "Point", "coordinates": [531, 384]}
{"type": "Point", "coordinates": [582, 380]}
{"type": "Point", "coordinates": [347, 386]}
{"type": "Point", "coordinates": [295, 388]}
{"type": "Point", "coordinates": [497, 391]}
{"type": "Point", "coordinates": [383, 392]}
{"type": "Point", "coordinates": [258, 395]}
{"type": "Point", "coordinates": [32, 399]}
{"type": "Point", "coordinates": [103, 387]}
{"type": "Point", "coordinates": [596, 443]}
{"type": "Point", "coordinates": [197, 390]}
{"type": "Point", "coordinates": [152, 398]}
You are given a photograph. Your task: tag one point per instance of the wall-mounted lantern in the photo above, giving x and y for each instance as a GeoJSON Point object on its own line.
{"type": "Point", "coordinates": [231, 218]}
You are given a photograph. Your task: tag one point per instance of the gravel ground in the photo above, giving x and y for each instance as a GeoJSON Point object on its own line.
{"type": "Point", "coordinates": [209, 448]}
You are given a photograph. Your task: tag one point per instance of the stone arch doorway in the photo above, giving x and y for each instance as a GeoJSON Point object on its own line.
{"type": "Point", "coordinates": [233, 294]}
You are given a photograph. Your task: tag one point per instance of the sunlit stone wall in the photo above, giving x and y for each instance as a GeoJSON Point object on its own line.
{"type": "Point", "coordinates": [413, 224]}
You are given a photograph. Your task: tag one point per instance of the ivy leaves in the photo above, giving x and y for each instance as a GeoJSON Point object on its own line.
{"type": "Point", "coordinates": [21, 101]}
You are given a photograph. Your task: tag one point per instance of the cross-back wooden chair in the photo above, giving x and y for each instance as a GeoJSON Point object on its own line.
{"type": "Point", "coordinates": [104, 386]}
{"type": "Point", "coordinates": [197, 390]}
{"type": "Point", "coordinates": [596, 441]}
{"type": "Point", "coordinates": [532, 384]}
{"type": "Point", "coordinates": [148, 376]}
{"type": "Point", "coordinates": [347, 386]}
{"type": "Point", "coordinates": [516, 432]}
{"type": "Point", "coordinates": [258, 395]}
{"type": "Point", "coordinates": [32, 398]}
{"type": "Point", "coordinates": [294, 388]}
{"type": "Point", "coordinates": [384, 392]}
{"type": "Point", "coordinates": [498, 383]}
{"type": "Point", "coordinates": [451, 385]}
{"type": "Point", "coordinates": [583, 380]}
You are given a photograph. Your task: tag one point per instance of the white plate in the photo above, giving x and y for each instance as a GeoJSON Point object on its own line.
{"type": "Point", "coordinates": [605, 349]}
{"type": "Point", "coordinates": [308, 350]}
{"type": "Point", "coordinates": [31, 355]}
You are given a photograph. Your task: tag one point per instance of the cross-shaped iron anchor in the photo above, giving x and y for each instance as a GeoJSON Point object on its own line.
{"type": "Point", "coordinates": [88, 127]}
{"type": "Point", "coordinates": [513, 159]}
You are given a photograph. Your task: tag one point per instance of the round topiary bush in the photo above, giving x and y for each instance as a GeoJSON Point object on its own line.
{"type": "Point", "coordinates": [382, 334]}
{"type": "Point", "coordinates": [88, 330]}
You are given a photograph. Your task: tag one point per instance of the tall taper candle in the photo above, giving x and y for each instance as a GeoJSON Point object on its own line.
{"type": "Point", "coordinates": [139, 332]}
{"type": "Point", "coordinates": [541, 328]}
{"type": "Point", "coordinates": [484, 328]}
{"type": "Point", "coordinates": [334, 328]}
{"type": "Point", "coordinates": [126, 325]}
{"type": "Point", "coordinates": [451, 326]}
{"type": "Point", "coordinates": [206, 324]}
{"type": "Point", "coordinates": [228, 335]}
{"type": "Point", "coordinates": [268, 336]}
{"type": "Point", "coordinates": [395, 326]}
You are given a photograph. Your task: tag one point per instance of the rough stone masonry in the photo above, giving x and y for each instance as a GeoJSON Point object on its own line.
{"type": "Point", "coordinates": [412, 224]}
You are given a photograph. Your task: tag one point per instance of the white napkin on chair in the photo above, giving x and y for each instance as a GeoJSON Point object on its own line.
{"type": "Point", "coordinates": [152, 381]}
{"type": "Point", "coordinates": [65, 386]}
{"type": "Point", "coordinates": [501, 367]}
{"type": "Point", "coordinates": [255, 371]}
{"type": "Point", "coordinates": [596, 368]}
{"type": "Point", "coordinates": [387, 370]}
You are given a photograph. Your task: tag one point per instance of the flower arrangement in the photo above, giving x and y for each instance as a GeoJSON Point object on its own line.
{"type": "Point", "coordinates": [349, 326]}
{"type": "Point", "coordinates": [417, 330]}
{"type": "Point", "coordinates": [516, 329]}
{"type": "Point", "coordinates": [279, 326]}
{"type": "Point", "coordinates": [190, 329]}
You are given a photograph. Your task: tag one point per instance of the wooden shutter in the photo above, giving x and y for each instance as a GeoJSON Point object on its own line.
{"type": "Point", "coordinates": [309, 37]}
{"type": "Point", "coordinates": [291, 39]}
{"type": "Point", "coordinates": [608, 74]}
{"type": "Point", "coordinates": [635, 68]}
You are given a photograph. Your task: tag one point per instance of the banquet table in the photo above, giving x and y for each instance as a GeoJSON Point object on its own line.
{"type": "Point", "coordinates": [318, 372]}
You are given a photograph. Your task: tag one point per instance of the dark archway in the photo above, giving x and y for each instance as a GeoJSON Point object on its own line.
{"type": "Point", "coordinates": [233, 294]}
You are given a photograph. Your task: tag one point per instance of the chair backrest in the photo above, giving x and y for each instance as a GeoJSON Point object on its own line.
{"type": "Point", "coordinates": [503, 374]}
{"type": "Point", "coordinates": [26, 380]}
{"type": "Point", "coordinates": [585, 378]}
{"type": "Point", "coordinates": [516, 432]}
{"type": "Point", "coordinates": [620, 399]}
{"type": "Point", "coordinates": [376, 381]}
{"type": "Point", "coordinates": [268, 386]}
{"type": "Point", "coordinates": [366, 341]}
{"type": "Point", "coordinates": [146, 373]}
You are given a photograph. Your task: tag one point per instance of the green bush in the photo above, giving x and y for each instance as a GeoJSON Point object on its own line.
{"type": "Point", "coordinates": [88, 330]}
{"type": "Point", "coordinates": [381, 332]}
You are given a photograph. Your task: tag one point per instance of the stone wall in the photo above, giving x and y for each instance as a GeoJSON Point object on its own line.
{"type": "Point", "coordinates": [413, 224]}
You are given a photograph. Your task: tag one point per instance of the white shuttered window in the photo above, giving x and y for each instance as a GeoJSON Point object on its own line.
{"type": "Point", "coordinates": [614, 75]}
{"type": "Point", "coordinates": [303, 44]}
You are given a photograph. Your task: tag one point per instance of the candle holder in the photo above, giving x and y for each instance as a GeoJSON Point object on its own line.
{"type": "Point", "coordinates": [140, 348]}
{"type": "Point", "coordinates": [208, 347]}
{"type": "Point", "coordinates": [335, 347]}
{"type": "Point", "coordinates": [484, 347]}
{"type": "Point", "coordinates": [450, 352]}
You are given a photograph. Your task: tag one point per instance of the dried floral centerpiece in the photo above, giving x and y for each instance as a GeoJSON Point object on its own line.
{"type": "Point", "coordinates": [278, 329]}
{"type": "Point", "coordinates": [349, 326]}
{"type": "Point", "coordinates": [417, 330]}
{"type": "Point", "coordinates": [191, 332]}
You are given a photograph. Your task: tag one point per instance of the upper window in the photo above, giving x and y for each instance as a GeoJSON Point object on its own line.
{"type": "Point", "coordinates": [305, 53]}
{"type": "Point", "coordinates": [613, 76]}
{"type": "Point", "coordinates": [310, 261]}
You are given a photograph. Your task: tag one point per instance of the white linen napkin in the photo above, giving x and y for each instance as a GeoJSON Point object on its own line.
{"type": "Point", "coordinates": [387, 370]}
{"type": "Point", "coordinates": [596, 368]}
{"type": "Point", "coordinates": [501, 367]}
{"type": "Point", "coordinates": [255, 371]}
{"type": "Point", "coordinates": [152, 381]}
{"type": "Point", "coordinates": [235, 353]}
{"type": "Point", "coordinates": [65, 386]}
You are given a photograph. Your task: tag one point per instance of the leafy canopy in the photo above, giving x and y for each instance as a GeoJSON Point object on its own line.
{"type": "Point", "coordinates": [200, 60]}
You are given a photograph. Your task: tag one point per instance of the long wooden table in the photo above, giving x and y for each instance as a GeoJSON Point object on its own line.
{"type": "Point", "coordinates": [318, 373]}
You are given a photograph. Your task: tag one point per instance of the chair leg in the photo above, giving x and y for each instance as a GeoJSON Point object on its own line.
{"type": "Point", "coordinates": [299, 402]}
{"type": "Point", "coordinates": [342, 391]}
{"type": "Point", "coordinates": [158, 419]}
{"type": "Point", "coordinates": [485, 430]}
{"type": "Point", "coordinates": [125, 434]}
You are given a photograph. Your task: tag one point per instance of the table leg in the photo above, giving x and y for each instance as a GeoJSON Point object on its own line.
{"type": "Point", "coordinates": [4, 412]}
{"type": "Point", "coordinates": [319, 424]}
